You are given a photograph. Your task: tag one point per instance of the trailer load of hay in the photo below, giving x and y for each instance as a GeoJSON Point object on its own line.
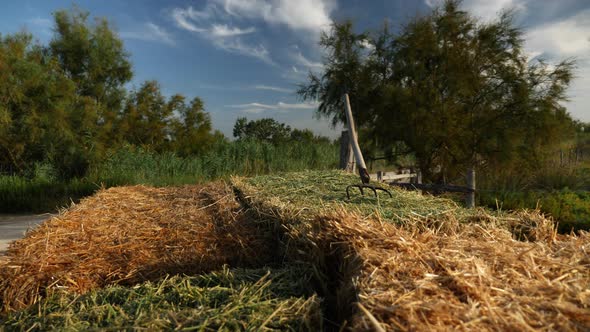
{"type": "Point", "coordinates": [291, 252]}
{"type": "Point", "coordinates": [415, 262]}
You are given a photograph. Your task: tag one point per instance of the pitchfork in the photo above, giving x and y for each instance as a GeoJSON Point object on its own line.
{"type": "Point", "coordinates": [365, 178]}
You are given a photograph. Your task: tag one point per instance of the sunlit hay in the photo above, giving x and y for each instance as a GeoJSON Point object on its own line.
{"type": "Point", "coordinates": [480, 278]}
{"type": "Point", "coordinates": [419, 263]}
{"type": "Point", "coordinates": [304, 195]}
{"type": "Point", "coordinates": [126, 235]}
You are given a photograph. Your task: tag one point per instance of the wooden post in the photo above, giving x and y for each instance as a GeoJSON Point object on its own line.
{"type": "Point", "coordinates": [358, 155]}
{"type": "Point", "coordinates": [470, 197]}
{"type": "Point", "coordinates": [351, 163]}
{"type": "Point", "coordinates": [560, 157]}
{"type": "Point", "coordinates": [344, 146]}
{"type": "Point", "coordinates": [346, 155]}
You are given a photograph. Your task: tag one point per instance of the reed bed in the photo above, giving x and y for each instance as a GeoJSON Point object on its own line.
{"type": "Point", "coordinates": [419, 263]}
{"type": "Point", "coordinates": [126, 235]}
{"type": "Point", "coordinates": [44, 191]}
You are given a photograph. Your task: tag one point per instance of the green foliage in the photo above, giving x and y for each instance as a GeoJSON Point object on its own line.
{"type": "Point", "coordinates": [129, 165]}
{"type": "Point", "coordinates": [21, 194]}
{"type": "Point", "coordinates": [93, 56]}
{"type": "Point", "coordinates": [558, 190]}
{"type": "Point", "coordinates": [39, 108]}
{"type": "Point", "coordinates": [146, 117]}
{"type": "Point", "coordinates": [272, 131]}
{"type": "Point", "coordinates": [227, 300]}
{"type": "Point", "coordinates": [191, 134]}
{"type": "Point", "coordinates": [132, 165]}
{"type": "Point", "coordinates": [266, 129]}
{"type": "Point", "coordinates": [66, 104]}
{"type": "Point", "coordinates": [457, 92]}
{"type": "Point", "coordinates": [571, 209]}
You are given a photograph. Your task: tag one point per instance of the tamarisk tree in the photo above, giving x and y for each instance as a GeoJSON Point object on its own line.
{"type": "Point", "coordinates": [457, 92]}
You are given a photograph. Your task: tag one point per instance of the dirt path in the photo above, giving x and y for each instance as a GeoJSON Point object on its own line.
{"type": "Point", "coordinates": [14, 226]}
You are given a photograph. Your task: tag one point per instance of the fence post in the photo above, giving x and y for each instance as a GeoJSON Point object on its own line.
{"type": "Point", "coordinates": [344, 149]}
{"type": "Point", "coordinates": [346, 155]}
{"type": "Point", "coordinates": [470, 197]}
{"type": "Point", "coordinates": [560, 157]}
{"type": "Point", "coordinates": [418, 178]}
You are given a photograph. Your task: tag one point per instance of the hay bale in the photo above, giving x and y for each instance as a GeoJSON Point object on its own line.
{"type": "Point", "coordinates": [126, 235]}
{"type": "Point", "coordinates": [479, 278]}
{"type": "Point", "coordinates": [416, 262]}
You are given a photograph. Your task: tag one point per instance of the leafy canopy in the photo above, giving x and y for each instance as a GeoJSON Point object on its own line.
{"type": "Point", "coordinates": [65, 104]}
{"type": "Point", "coordinates": [272, 131]}
{"type": "Point", "coordinates": [457, 92]}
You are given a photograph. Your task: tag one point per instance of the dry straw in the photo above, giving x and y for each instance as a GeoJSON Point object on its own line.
{"type": "Point", "coordinates": [418, 263]}
{"type": "Point", "coordinates": [130, 234]}
{"type": "Point", "coordinates": [477, 278]}
{"type": "Point", "coordinates": [408, 263]}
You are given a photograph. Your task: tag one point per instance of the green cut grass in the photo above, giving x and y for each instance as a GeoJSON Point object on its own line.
{"type": "Point", "coordinates": [227, 300]}
{"type": "Point", "coordinates": [310, 193]}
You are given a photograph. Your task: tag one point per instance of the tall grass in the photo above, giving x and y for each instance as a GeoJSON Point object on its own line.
{"type": "Point", "coordinates": [133, 165]}
{"type": "Point", "coordinates": [562, 192]}
{"type": "Point", "coordinates": [20, 194]}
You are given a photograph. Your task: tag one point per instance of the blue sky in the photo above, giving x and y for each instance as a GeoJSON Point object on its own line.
{"type": "Point", "coordinates": [246, 57]}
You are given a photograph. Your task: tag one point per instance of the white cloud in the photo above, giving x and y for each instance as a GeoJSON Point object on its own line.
{"type": "Point", "coordinates": [272, 88]}
{"type": "Point", "coordinates": [222, 23]}
{"type": "Point", "coordinates": [226, 87]}
{"type": "Point", "coordinates": [221, 36]}
{"type": "Point", "coordinates": [488, 10]}
{"type": "Point", "coordinates": [295, 74]}
{"type": "Point", "coordinates": [238, 46]}
{"type": "Point", "coordinates": [367, 44]}
{"type": "Point", "coordinates": [223, 30]}
{"type": "Point", "coordinates": [257, 108]}
{"type": "Point", "coordinates": [206, 13]}
{"type": "Point", "coordinates": [433, 3]}
{"type": "Point", "coordinates": [310, 15]}
{"type": "Point", "coordinates": [579, 104]}
{"type": "Point", "coordinates": [569, 37]}
{"type": "Point", "coordinates": [182, 16]}
{"type": "Point", "coordinates": [299, 58]}
{"type": "Point", "coordinates": [150, 32]}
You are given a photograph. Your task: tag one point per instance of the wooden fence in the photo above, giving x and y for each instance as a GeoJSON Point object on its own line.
{"type": "Point", "coordinates": [407, 179]}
